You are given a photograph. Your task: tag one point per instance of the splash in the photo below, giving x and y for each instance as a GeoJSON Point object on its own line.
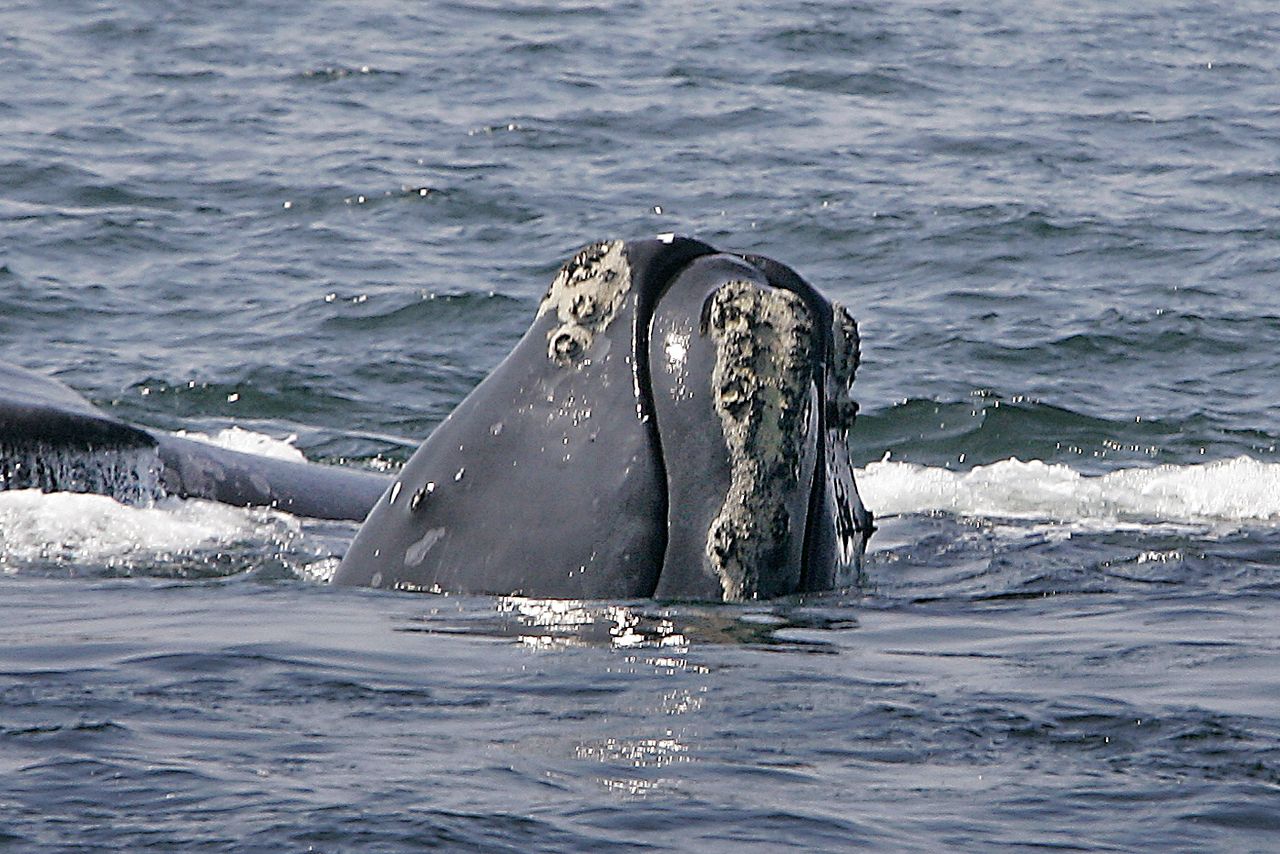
{"type": "Point", "coordinates": [248, 442]}
{"type": "Point", "coordinates": [74, 528]}
{"type": "Point", "coordinates": [129, 474]}
{"type": "Point", "coordinates": [1240, 490]}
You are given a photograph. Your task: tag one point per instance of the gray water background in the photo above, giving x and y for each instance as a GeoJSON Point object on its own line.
{"type": "Point", "coordinates": [1056, 224]}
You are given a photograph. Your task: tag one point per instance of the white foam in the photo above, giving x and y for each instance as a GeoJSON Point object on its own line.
{"type": "Point", "coordinates": [248, 442]}
{"type": "Point", "coordinates": [1240, 490]}
{"type": "Point", "coordinates": [74, 527]}
{"type": "Point", "coordinates": [78, 527]}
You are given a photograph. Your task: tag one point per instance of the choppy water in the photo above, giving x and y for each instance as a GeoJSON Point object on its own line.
{"type": "Point", "coordinates": [1057, 225]}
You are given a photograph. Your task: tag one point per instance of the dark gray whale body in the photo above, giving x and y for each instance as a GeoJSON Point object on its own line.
{"type": "Point", "coordinates": [53, 439]}
{"type": "Point", "coordinates": [673, 425]}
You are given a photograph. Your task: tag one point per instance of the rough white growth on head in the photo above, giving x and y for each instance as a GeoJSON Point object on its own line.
{"type": "Point", "coordinates": [760, 386]}
{"type": "Point", "coordinates": [585, 296]}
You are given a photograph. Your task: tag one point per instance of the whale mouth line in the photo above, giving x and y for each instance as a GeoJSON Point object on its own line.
{"type": "Point", "coordinates": [642, 340]}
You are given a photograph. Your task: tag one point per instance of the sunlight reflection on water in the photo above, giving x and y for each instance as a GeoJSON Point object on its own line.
{"type": "Point", "coordinates": [569, 622]}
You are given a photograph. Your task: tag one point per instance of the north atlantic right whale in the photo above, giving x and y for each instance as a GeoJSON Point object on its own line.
{"type": "Point", "coordinates": [673, 424]}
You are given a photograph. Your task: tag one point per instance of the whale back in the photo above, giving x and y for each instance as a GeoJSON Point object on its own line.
{"type": "Point", "coordinates": [54, 440]}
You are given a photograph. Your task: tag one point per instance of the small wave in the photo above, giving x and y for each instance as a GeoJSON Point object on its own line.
{"type": "Point", "coordinates": [329, 73]}
{"type": "Point", "coordinates": [1240, 490]}
{"type": "Point", "coordinates": [990, 428]}
{"type": "Point", "coordinates": [875, 83]}
{"type": "Point", "coordinates": [436, 312]}
{"type": "Point", "coordinates": [248, 442]}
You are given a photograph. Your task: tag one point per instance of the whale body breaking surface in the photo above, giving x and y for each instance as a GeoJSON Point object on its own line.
{"type": "Point", "coordinates": [672, 425]}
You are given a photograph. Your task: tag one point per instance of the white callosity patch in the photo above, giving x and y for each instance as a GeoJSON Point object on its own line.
{"type": "Point", "coordinates": [760, 384]}
{"type": "Point", "coordinates": [1240, 490]}
{"type": "Point", "coordinates": [417, 552]}
{"type": "Point", "coordinates": [585, 296]}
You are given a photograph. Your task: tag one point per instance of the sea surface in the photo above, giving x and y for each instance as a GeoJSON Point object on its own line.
{"type": "Point", "coordinates": [316, 226]}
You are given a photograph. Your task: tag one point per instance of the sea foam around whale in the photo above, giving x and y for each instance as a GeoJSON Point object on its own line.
{"type": "Point", "coordinates": [248, 442]}
{"type": "Point", "coordinates": [74, 527]}
{"type": "Point", "coordinates": [1240, 492]}
{"type": "Point", "coordinates": [67, 527]}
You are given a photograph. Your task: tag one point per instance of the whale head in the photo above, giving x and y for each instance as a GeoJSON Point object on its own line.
{"type": "Point", "coordinates": [673, 425]}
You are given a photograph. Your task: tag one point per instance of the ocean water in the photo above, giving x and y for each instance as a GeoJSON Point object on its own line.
{"type": "Point", "coordinates": [314, 227]}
